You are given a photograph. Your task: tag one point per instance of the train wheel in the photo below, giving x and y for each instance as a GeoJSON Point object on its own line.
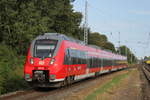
{"type": "Point", "coordinates": [96, 74]}
{"type": "Point", "coordinates": [69, 80]}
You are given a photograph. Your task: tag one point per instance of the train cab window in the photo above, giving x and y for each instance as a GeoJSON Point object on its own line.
{"type": "Point", "coordinates": [44, 48]}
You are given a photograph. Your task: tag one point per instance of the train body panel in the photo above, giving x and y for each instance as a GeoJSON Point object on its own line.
{"type": "Point", "coordinates": [147, 62]}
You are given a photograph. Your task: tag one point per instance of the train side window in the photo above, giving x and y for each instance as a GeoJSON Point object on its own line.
{"type": "Point", "coordinates": [97, 62]}
{"type": "Point", "coordinates": [67, 58]}
{"type": "Point", "coordinates": [85, 57]}
{"type": "Point", "coordinates": [108, 62]}
{"type": "Point", "coordinates": [100, 62]}
{"type": "Point", "coordinates": [79, 57]}
{"type": "Point", "coordinates": [113, 62]}
{"type": "Point", "coordinates": [90, 63]}
{"type": "Point", "coordinates": [103, 62]}
{"type": "Point", "coordinates": [94, 62]}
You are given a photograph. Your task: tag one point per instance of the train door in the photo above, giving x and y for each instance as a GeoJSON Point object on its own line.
{"type": "Point", "coordinates": [87, 63]}
{"type": "Point", "coordinates": [69, 61]}
{"type": "Point", "coordinates": [113, 63]}
{"type": "Point", "coordinates": [102, 65]}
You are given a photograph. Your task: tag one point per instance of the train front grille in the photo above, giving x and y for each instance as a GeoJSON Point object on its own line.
{"type": "Point", "coordinates": [41, 76]}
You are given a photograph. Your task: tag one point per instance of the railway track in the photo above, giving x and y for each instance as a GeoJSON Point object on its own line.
{"type": "Point", "coordinates": [146, 71]}
{"type": "Point", "coordinates": [35, 94]}
{"type": "Point", "coordinates": [57, 93]}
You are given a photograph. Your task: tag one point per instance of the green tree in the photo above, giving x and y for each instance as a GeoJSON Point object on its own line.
{"type": "Point", "coordinates": [23, 20]}
{"type": "Point", "coordinates": [109, 46]}
{"type": "Point", "coordinates": [101, 41]}
{"type": "Point", "coordinates": [123, 50]}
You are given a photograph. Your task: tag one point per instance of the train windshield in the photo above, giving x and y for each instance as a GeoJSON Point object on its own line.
{"type": "Point", "coordinates": [44, 48]}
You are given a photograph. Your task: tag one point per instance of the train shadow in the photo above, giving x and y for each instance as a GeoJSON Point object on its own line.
{"type": "Point", "coordinates": [44, 89]}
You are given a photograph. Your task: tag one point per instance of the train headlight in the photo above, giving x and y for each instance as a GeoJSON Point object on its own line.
{"type": "Point", "coordinates": [52, 61]}
{"type": "Point", "coordinates": [31, 61]}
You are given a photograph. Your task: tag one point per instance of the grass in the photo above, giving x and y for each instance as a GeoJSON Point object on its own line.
{"type": "Point", "coordinates": [106, 86]}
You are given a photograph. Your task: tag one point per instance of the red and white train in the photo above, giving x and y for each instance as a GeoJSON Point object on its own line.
{"type": "Point", "coordinates": [56, 60]}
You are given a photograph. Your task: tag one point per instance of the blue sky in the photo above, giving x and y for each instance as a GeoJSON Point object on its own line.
{"type": "Point", "coordinates": [129, 17]}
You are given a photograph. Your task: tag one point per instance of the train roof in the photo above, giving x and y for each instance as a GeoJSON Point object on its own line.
{"type": "Point", "coordinates": [62, 37]}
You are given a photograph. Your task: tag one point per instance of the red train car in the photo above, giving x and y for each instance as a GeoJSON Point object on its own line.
{"type": "Point", "coordinates": [55, 60]}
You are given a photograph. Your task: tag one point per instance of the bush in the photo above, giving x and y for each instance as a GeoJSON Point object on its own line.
{"type": "Point", "coordinates": [11, 70]}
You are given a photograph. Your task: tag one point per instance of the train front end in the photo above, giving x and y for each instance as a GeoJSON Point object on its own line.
{"type": "Point", "coordinates": [42, 65]}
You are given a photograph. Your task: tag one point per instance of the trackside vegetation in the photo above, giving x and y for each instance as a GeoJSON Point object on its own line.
{"type": "Point", "coordinates": [11, 70]}
{"type": "Point", "coordinates": [22, 20]}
